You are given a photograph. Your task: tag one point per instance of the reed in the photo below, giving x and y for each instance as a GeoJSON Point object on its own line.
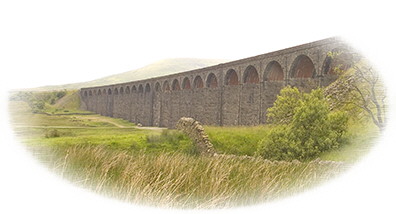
{"type": "Point", "coordinates": [180, 180]}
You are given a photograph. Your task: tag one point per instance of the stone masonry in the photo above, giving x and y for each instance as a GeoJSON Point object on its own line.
{"type": "Point", "coordinates": [229, 94]}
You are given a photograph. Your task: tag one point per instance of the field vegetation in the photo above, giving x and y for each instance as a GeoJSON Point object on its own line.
{"type": "Point", "coordinates": [308, 142]}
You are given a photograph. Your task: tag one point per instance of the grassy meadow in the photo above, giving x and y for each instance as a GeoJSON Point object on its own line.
{"type": "Point", "coordinates": [160, 167]}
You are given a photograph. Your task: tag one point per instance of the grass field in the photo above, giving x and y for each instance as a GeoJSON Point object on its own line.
{"type": "Point", "coordinates": [161, 168]}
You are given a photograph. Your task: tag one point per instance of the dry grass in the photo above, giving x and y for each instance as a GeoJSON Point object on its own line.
{"type": "Point", "coordinates": [184, 181]}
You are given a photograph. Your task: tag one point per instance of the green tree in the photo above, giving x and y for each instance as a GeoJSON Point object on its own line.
{"type": "Point", "coordinates": [285, 106]}
{"type": "Point", "coordinates": [359, 87]}
{"type": "Point", "coordinates": [313, 129]}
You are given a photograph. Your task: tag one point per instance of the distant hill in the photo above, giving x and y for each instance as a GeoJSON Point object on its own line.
{"type": "Point", "coordinates": [160, 68]}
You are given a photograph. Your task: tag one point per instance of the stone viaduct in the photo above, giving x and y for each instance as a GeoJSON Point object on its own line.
{"type": "Point", "coordinates": [228, 94]}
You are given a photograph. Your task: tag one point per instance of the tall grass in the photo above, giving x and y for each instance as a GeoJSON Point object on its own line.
{"type": "Point", "coordinates": [181, 180]}
{"type": "Point", "coordinates": [237, 140]}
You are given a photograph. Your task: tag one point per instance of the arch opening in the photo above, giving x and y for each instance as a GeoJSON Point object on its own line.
{"type": "Point", "coordinates": [211, 82]}
{"type": "Point", "coordinates": [157, 87]}
{"type": "Point", "coordinates": [147, 89]}
{"type": "Point", "coordinates": [231, 77]}
{"type": "Point", "coordinates": [175, 85]}
{"type": "Point", "coordinates": [140, 88]}
{"type": "Point", "coordinates": [302, 67]}
{"type": "Point", "coordinates": [186, 83]}
{"type": "Point", "coordinates": [99, 92]}
{"type": "Point", "coordinates": [116, 91]}
{"type": "Point", "coordinates": [128, 90]}
{"type": "Point", "coordinates": [251, 75]}
{"type": "Point", "coordinates": [85, 94]}
{"type": "Point", "coordinates": [166, 86]}
{"type": "Point", "coordinates": [198, 83]}
{"type": "Point", "coordinates": [133, 89]}
{"type": "Point", "coordinates": [274, 72]}
{"type": "Point", "coordinates": [122, 90]}
{"type": "Point", "coordinates": [109, 91]}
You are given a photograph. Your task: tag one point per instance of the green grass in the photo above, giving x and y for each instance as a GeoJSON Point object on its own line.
{"type": "Point", "coordinates": [21, 115]}
{"type": "Point", "coordinates": [236, 140]}
{"type": "Point", "coordinates": [361, 138]}
{"type": "Point", "coordinates": [161, 168]}
{"type": "Point", "coordinates": [181, 180]}
{"type": "Point", "coordinates": [36, 129]}
{"type": "Point", "coordinates": [71, 101]}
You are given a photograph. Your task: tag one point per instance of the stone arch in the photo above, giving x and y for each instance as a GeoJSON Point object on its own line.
{"type": "Point", "coordinates": [122, 90]}
{"type": "Point", "coordinates": [211, 81]}
{"type": "Point", "coordinates": [99, 92]}
{"type": "Point", "coordinates": [337, 59]}
{"type": "Point", "coordinates": [186, 83]}
{"type": "Point", "coordinates": [127, 90]}
{"type": "Point", "coordinates": [198, 83]}
{"type": "Point", "coordinates": [175, 85]}
{"type": "Point", "coordinates": [302, 67]}
{"type": "Point", "coordinates": [231, 77]}
{"type": "Point", "coordinates": [116, 91]}
{"type": "Point", "coordinates": [274, 72]}
{"type": "Point", "coordinates": [157, 87]}
{"type": "Point", "coordinates": [104, 91]}
{"type": "Point", "coordinates": [147, 88]}
{"type": "Point", "coordinates": [140, 88]}
{"type": "Point", "coordinates": [109, 91]}
{"type": "Point", "coordinates": [133, 89]}
{"type": "Point", "coordinates": [94, 92]}
{"type": "Point", "coordinates": [85, 94]}
{"type": "Point", "coordinates": [90, 93]}
{"type": "Point", "coordinates": [250, 75]}
{"type": "Point", "coordinates": [166, 87]}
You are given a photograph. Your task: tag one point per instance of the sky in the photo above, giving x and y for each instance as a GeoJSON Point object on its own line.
{"type": "Point", "coordinates": [57, 42]}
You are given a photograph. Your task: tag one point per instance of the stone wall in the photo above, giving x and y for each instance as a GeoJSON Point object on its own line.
{"type": "Point", "coordinates": [229, 94]}
{"type": "Point", "coordinates": [195, 131]}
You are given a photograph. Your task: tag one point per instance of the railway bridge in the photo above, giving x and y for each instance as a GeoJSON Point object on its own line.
{"type": "Point", "coordinates": [229, 94]}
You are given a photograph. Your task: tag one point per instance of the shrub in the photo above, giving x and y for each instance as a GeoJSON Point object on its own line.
{"type": "Point", "coordinates": [52, 133]}
{"type": "Point", "coordinates": [313, 129]}
{"type": "Point", "coordinates": [37, 106]}
{"type": "Point", "coordinates": [285, 106]}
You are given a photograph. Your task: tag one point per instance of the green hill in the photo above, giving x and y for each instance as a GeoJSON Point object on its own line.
{"type": "Point", "coordinates": [160, 68]}
{"type": "Point", "coordinates": [70, 101]}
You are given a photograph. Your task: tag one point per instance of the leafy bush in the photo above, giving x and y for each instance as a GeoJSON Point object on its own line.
{"type": "Point", "coordinates": [312, 129]}
{"type": "Point", "coordinates": [37, 106]}
{"type": "Point", "coordinates": [285, 106]}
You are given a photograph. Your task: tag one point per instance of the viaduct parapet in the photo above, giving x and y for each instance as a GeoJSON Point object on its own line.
{"type": "Point", "coordinates": [228, 94]}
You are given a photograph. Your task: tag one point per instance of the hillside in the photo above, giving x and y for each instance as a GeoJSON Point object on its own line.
{"type": "Point", "coordinates": [70, 101]}
{"type": "Point", "coordinates": [160, 68]}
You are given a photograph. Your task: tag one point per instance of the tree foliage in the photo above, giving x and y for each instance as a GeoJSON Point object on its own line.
{"type": "Point", "coordinates": [285, 106]}
{"type": "Point", "coordinates": [38, 100]}
{"type": "Point", "coordinates": [359, 88]}
{"type": "Point", "coordinates": [311, 130]}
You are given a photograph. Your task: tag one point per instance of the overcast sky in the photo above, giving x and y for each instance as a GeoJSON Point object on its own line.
{"type": "Point", "coordinates": [53, 42]}
{"type": "Point", "coordinates": [57, 42]}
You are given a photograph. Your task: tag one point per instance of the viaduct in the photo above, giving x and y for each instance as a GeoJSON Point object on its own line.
{"type": "Point", "coordinates": [228, 94]}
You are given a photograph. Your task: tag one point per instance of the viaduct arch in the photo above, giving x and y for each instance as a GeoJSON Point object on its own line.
{"type": "Point", "coordinates": [228, 94]}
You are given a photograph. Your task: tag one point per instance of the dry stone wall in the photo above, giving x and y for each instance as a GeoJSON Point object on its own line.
{"type": "Point", "coordinates": [229, 94]}
{"type": "Point", "coordinates": [196, 132]}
